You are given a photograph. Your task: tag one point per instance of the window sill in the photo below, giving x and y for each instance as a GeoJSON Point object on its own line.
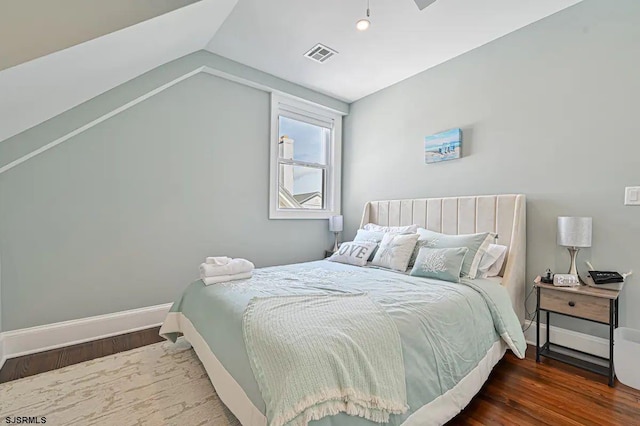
{"type": "Point", "coordinates": [306, 214]}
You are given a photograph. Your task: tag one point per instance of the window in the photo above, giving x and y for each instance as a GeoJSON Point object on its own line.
{"type": "Point", "coordinates": [305, 160]}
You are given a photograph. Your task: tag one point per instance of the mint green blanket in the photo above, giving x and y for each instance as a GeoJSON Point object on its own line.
{"type": "Point", "coordinates": [317, 356]}
{"type": "Point", "coordinates": [445, 329]}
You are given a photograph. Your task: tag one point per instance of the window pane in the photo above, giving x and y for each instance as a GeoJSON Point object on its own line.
{"type": "Point", "coordinates": [300, 187]}
{"type": "Point", "coordinates": [302, 141]}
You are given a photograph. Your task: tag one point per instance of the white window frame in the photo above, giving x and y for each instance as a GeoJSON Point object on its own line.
{"type": "Point", "coordinates": [313, 114]}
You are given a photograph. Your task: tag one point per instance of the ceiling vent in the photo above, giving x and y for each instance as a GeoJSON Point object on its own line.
{"type": "Point", "coordinates": [320, 53]}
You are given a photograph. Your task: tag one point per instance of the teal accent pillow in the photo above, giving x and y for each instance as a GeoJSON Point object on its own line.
{"type": "Point", "coordinates": [476, 243]}
{"type": "Point", "coordinates": [442, 264]}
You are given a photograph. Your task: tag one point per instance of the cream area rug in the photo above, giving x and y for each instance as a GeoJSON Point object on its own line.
{"type": "Point", "coordinates": [160, 384]}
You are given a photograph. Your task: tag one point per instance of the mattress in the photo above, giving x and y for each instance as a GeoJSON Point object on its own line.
{"type": "Point", "coordinates": [210, 317]}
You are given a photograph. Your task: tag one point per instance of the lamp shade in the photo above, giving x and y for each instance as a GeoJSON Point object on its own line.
{"type": "Point", "coordinates": [335, 224]}
{"type": "Point", "coordinates": [574, 231]}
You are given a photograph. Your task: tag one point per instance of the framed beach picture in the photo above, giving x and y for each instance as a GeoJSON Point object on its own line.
{"type": "Point", "coordinates": [443, 146]}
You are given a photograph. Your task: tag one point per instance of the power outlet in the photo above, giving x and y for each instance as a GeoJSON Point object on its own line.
{"type": "Point", "coordinates": [632, 196]}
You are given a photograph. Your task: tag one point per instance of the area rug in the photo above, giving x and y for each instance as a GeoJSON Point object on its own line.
{"type": "Point", "coordinates": [160, 384]}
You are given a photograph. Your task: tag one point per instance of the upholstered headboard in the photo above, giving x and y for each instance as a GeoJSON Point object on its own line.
{"type": "Point", "coordinates": [502, 214]}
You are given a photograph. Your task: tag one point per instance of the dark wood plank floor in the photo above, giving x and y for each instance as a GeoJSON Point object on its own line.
{"type": "Point", "coordinates": [518, 392]}
{"type": "Point", "coordinates": [28, 365]}
{"type": "Point", "coordinates": [522, 392]}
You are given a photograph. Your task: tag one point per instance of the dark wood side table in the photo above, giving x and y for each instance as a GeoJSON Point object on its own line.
{"type": "Point", "coordinates": [328, 253]}
{"type": "Point", "coordinates": [583, 302]}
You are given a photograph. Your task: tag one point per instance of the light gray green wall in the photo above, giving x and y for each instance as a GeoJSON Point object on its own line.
{"type": "Point", "coordinates": [550, 111]}
{"type": "Point", "coordinates": [120, 216]}
{"type": "Point", "coordinates": [1, 345]}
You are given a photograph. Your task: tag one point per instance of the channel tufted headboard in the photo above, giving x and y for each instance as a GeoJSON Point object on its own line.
{"type": "Point", "coordinates": [502, 214]}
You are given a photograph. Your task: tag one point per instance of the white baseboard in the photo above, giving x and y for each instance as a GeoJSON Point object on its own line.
{"type": "Point", "coordinates": [51, 336]}
{"type": "Point", "coordinates": [569, 338]}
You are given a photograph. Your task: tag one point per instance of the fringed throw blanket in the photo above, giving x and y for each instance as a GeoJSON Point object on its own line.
{"type": "Point", "coordinates": [317, 356]}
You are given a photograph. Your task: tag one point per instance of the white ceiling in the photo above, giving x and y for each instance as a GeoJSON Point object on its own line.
{"type": "Point", "coordinates": [273, 35]}
{"type": "Point", "coordinates": [38, 90]}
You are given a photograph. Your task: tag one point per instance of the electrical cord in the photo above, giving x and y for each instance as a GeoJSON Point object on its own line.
{"type": "Point", "coordinates": [531, 316]}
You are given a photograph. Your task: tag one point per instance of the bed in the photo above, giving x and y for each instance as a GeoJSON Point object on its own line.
{"type": "Point", "coordinates": [211, 317]}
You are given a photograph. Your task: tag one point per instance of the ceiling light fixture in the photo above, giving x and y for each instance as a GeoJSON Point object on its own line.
{"type": "Point", "coordinates": [364, 24]}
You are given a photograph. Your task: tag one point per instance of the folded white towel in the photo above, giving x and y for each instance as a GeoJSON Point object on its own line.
{"type": "Point", "coordinates": [235, 266]}
{"type": "Point", "coordinates": [219, 260]}
{"type": "Point", "coordinates": [226, 278]}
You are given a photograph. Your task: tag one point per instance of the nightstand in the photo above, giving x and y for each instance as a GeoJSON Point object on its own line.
{"type": "Point", "coordinates": [328, 253]}
{"type": "Point", "coordinates": [583, 302]}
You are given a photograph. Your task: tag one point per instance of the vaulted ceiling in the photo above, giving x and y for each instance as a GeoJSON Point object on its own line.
{"type": "Point", "coordinates": [57, 54]}
{"type": "Point", "coordinates": [34, 28]}
{"type": "Point", "coordinates": [273, 35]}
{"type": "Point", "coordinates": [40, 89]}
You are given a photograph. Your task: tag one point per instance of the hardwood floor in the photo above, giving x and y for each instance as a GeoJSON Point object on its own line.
{"type": "Point", "coordinates": [518, 392]}
{"type": "Point", "coordinates": [28, 365]}
{"type": "Point", "coordinates": [521, 392]}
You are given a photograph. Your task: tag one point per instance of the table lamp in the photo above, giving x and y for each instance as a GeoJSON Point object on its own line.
{"type": "Point", "coordinates": [574, 233]}
{"type": "Point", "coordinates": [335, 226]}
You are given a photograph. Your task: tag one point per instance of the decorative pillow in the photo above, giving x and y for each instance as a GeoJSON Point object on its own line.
{"type": "Point", "coordinates": [375, 236]}
{"type": "Point", "coordinates": [476, 243]}
{"type": "Point", "coordinates": [395, 251]}
{"type": "Point", "coordinates": [492, 261]}
{"type": "Point", "coordinates": [442, 264]}
{"type": "Point", "coordinates": [353, 252]}
{"type": "Point", "coordinates": [409, 229]}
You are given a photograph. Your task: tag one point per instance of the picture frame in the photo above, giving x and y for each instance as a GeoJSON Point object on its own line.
{"type": "Point", "coordinates": [443, 146]}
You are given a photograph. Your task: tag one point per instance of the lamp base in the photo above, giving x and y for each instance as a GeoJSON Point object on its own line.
{"type": "Point", "coordinates": [335, 245]}
{"type": "Point", "coordinates": [573, 270]}
{"type": "Point", "coordinates": [573, 252]}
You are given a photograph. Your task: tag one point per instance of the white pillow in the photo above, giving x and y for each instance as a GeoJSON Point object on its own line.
{"type": "Point", "coordinates": [492, 261]}
{"type": "Point", "coordinates": [354, 252]}
{"type": "Point", "coordinates": [395, 251]}
{"type": "Point", "coordinates": [375, 236]}
{"type": "Point", "coordinates": [409, 229]}
{"type": "Point", "coordinates": [363, 235]}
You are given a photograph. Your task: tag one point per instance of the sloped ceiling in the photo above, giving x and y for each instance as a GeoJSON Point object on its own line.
{"type": "Point", "coordinates": [271, 36]}
{"type": "Point", "coordinates": [402, 41]}
{"type": "Point", "coordinates": [40, 89]}
{"type": "Point", "coordinates": [36, 28]}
